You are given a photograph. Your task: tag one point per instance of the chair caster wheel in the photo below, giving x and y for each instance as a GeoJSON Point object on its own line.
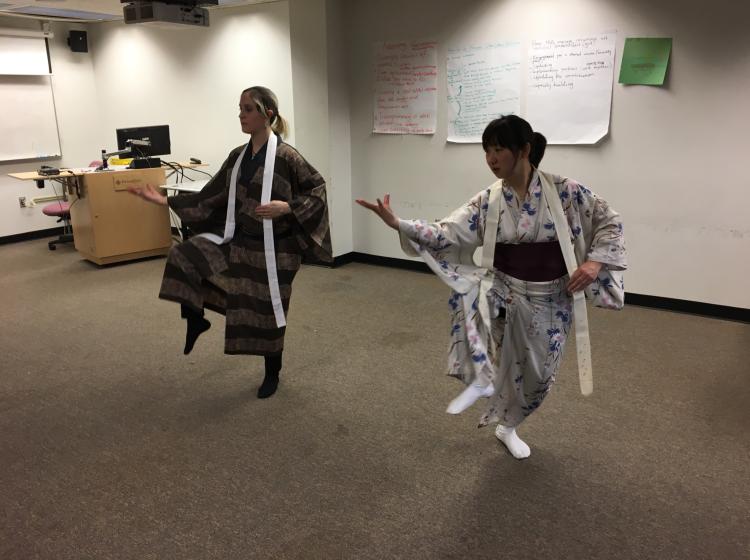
{"type": "Point", "coordinates": [51, 246]}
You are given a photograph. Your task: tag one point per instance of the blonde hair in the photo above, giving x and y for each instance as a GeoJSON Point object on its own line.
{"type": "Point", "coordinates": [266, 100]}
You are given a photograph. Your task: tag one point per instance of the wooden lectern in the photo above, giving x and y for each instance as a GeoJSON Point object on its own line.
{"type": "Point", "coordinates": [112, 225]}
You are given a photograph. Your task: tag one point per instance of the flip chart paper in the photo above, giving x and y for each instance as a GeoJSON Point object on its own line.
{"type": "Point", "coordinates": [405, 88]}
{"type": "Point", "coordinates": [570, 88]}
{"type": "Point", "coordinates": [484, 82]}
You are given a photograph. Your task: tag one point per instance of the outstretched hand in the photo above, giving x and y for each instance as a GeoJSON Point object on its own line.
{"type": "Point", "coordinates": [149, 193]}
{"type": "Point", "coordinates": [382, 209]}
{"type": "Point", "coordinates": [583, 276]}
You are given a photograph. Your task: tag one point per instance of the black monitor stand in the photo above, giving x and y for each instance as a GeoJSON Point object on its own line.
{"type": "Point", "coordinates": [145, 163]}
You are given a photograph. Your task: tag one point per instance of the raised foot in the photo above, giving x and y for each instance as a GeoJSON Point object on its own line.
{"type": "Point", "coordinates": [195, 327]}
{"type": "Point", "coordinates": [471, 394]}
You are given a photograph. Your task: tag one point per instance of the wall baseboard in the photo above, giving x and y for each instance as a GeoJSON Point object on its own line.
{"type": "Point", "coordinates": [29, 235]}
{"type": "Point", "coordinates": [404, 264]}
{"type": "Point", "coordinates": [655, 302]}
{"type": "Point", "coordinates": [342, 260]}
{"type": "Point", "coordinates": [641, 300]}
{"type": "Point", "coordinates": [687, 306]}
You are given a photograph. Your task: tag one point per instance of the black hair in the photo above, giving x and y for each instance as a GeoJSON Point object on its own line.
{"type": "Point", "coordinates": [513, 132]}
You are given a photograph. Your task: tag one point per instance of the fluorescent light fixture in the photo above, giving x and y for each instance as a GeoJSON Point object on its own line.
{"type": "Point", "coordinates": [62, 13]}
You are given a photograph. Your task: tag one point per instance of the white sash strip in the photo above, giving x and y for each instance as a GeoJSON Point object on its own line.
{"type": "Point", "coordinates": [583, 344]}
{"type": "Point", "coordinates": [490, 227]}
{"type": "Point", "coordinates": [265, 197]}
{"type": "Point", "coordinates": [488, 252]}
{"type": "Point", "coordinates": [229, 224]}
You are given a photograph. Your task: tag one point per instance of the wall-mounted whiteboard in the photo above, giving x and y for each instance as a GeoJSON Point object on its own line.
{"type": "Point", "coordinates": [28, 129]}
{"type": "Point", "coordinates": [23, 55]}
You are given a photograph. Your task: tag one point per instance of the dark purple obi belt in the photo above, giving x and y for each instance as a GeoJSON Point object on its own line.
{"type": "Point", "coordinates": [533, 262]}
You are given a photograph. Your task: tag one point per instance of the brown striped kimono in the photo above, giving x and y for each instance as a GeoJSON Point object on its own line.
{"type": "Point", "coordinates": [231, 279]}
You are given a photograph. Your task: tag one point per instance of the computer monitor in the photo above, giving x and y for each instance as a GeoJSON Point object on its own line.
{"type": "Point", "coordinates": [147, 140]}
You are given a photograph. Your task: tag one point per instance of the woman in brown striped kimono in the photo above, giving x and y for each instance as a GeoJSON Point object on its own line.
{"type": "Point", "coordinates": [252, 237]}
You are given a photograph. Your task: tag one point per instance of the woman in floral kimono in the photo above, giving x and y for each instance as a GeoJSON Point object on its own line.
{"type": "Point", "coordinates": [258, 216]}
{"type": "Point", "coordinates": [510, 317]}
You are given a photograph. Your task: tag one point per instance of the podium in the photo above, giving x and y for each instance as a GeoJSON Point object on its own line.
{"type": "Point", "coordinates": [109, 224]}
{"type": "Point", "coordinates": [112, 225]}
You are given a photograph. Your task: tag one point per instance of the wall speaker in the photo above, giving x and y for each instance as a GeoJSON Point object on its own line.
{"type": "Point", "coordinates": [78, 42]}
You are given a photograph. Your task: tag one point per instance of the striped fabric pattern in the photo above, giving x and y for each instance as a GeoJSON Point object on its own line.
{"type": "Point", "coordinates": [231, 279]}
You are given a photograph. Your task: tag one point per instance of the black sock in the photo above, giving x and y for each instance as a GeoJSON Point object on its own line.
{"type": "Point", "coordinates": [196, 325]}
{"type": "Point", "coordinates": [271, 380]}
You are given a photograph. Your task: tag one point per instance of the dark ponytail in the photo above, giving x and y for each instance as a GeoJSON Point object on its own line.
{"type": "Point", "coordinates": [538, 145]}
{"type": "Point", "coordinates": [513, 132]}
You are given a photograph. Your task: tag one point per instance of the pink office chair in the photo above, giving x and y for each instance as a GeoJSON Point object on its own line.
{"type": "Point", "coordinates": [61, 210]}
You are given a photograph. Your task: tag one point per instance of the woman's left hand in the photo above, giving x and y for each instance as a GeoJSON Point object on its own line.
{"type": "Point", "coordinates": [583, 276]}
{"type": "Point", "coordinates": [272, 210]}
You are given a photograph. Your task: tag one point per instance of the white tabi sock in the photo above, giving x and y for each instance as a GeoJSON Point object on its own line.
{"type": "Point", "coordinates": [510, 439]}
{"type": "Point", "coordinates": [470, 395]}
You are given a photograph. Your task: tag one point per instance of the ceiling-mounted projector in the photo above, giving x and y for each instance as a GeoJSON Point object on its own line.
{"type": "Point", "coordinates": [185, 12]}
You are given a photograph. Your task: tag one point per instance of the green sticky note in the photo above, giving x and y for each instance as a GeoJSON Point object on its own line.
{"type": "Point", "coordinates": [644, 60]}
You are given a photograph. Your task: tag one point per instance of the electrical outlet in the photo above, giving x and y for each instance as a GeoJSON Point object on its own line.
{"type": "Point", "coordinates": [22, 201]}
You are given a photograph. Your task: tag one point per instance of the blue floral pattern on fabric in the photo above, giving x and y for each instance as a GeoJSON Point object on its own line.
{"type": "Point", "coordinates": [528, 326]}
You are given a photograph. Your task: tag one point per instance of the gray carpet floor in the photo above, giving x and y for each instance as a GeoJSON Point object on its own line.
{"type": "Point", "coordinates": [113, 445]}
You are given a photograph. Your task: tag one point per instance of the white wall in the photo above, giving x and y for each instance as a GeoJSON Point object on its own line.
{"type": "Point", "coordinates": [191, 78]}
{"type": "Point", "coordinates": [340, 204]}
{"type": "Point", "coordinates": [671, 164]}
{"type": "Point", "coordinates": [321, 106]}
{"type": "Point", "coordinates": [74, 90]}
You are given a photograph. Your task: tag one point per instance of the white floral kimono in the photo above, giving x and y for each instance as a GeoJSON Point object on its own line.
{"type": "Point", "coordinates": [507, 331]}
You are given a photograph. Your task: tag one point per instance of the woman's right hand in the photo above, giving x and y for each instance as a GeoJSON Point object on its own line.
{"type": "Point", "coordinates": [149, 193]}
{"type": "Point", "coordinates": [382, 209]}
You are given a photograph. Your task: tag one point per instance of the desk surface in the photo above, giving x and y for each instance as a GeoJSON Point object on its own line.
{"type": "Point", "coordinates": [187, 186]}
{"type": "Point", "coordinates": [34, 176]}
{"type": "Point", "coordinates": [79, 171]}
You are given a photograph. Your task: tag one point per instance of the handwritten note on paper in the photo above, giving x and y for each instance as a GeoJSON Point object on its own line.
{"type": "Point", "coordinates": [570, 88]}
{"type": "Point", "coordinates": [484, 82]}
{"type": "Point", "coordinates": [405, 88]}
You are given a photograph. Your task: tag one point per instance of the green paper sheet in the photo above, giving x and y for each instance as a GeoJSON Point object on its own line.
{"type": "Point", "coordinates": [644, 61]}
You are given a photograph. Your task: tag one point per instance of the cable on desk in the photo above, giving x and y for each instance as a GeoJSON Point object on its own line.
{"type": "Point", "coordinates": [174, 167]}
{"type": "Point", "coordinates": [172, 164]}
{"type": "Point", "coordinates": [199, 171]}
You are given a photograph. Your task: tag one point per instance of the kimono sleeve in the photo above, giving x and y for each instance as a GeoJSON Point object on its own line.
{"type": "Point", "coordinates": [602, 227]}
{"type": "Point", "coordinates": [598, 236]}
{"type": "Point", "coordinates": [458, 234]}
{"type": "Point", "coordinates": [310, 209]}
{"type": "Point", "coordinates": [208, 207]}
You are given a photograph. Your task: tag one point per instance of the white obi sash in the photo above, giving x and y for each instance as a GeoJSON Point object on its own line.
{"type": "Point", "coordinates": [268, 243]}
{"type": "Point", "coordinates": [580, 317]}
